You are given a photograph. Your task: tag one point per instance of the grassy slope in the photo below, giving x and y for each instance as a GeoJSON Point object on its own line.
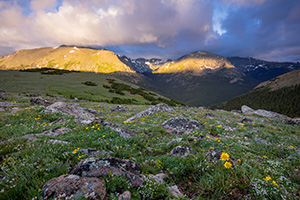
{"type": "Point", "coordinates": [27, 166]}
{"type": "Point", "coordinates": [280, 95]}
{"type": "Point", "coordinates": [66, 85]}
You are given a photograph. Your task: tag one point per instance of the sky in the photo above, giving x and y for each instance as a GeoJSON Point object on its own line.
{"type": "Point", "coordinates": [265, 29]}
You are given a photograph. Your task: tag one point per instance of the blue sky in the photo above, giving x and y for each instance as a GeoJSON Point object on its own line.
{"type": "Point", "coordinates": [266, 29]}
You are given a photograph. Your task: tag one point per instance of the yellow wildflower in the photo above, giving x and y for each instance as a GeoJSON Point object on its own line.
{"type": "Point", "coordinates": [224, 156]}
{"type": "Point", "coordinates": [292, 146]}
{"type": "Point", "coordinates": [274, 182]}
{"type": "Point", "coordinates": [265, 156]}
{"type": "Point", "coordinates": [207, 136]}
{"type": "Point", "coordinates": [239, 160]}
{"type": "Point", "coordinates": [212, 147]}
{"type": "Point", "coordinates": [227, 165]}
{"type": "Point", "coordinates": [267, 178]}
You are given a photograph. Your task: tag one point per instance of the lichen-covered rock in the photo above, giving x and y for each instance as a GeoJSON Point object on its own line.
{"type": "Point", "coordinates": [75, 186]}
{"type": "Point", "coordinates": [40, 101]}
{"type": "Point", "coordinates": [159, 178]}
{"type": "Point", "coordinates": [51, 132]}
{"type": "Point", "coordinates": [95, 112]}
{"type": "Point", "coordinates": [181, 126]}
{"type": "Point", "coordinates": [125, 196]}
{"type": "Point", "coordinates": [175, 191]}
{"type": "Point", "coordinates": [124, 133]}
{"type": "Point", "coordinates": [59, 120]}
{"type": "Point", "coordinates": [180, 151]}
{"type": "Point", "coordinates": [162, 107]}
{"type": "Point", "coordinates": [97, 167]}
{"type": "Point", "coordinates": [118, 109]}
{"type": "Point", "coordinates": [80, 115]}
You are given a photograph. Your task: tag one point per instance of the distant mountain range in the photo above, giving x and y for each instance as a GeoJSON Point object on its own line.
{"type": "Point", "coordinates": [200, 78]}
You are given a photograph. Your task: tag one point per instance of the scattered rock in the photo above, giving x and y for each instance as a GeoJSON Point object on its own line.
{"type": "Point", "coordinates": [246, 120]}
{"type": "Point", "coordinates": [214, 154]}
{"type": "Point", "coordinates": [162, 107]}
{"type": "Point", "coordinates": [51, 132]}
{"type": "Point", "coordinates": [59, 121]}
{"type": "Point", "coordinates": [193, 138]}
{"type": "Point", "coordinates": [58, 142]}
{"type": "Point", "coordinates": [40, 101]}
{"type": "Point", "coordinates": [2, 104]}
{"type": "Point", "coordinates": [124, 133]}
{"type": "Point", "coordinates": [174, 141]}
{"type": "Point", "coordinates": [76, 99]}
{"type": "Point", "coordinates": [118, 109]}
{"type": "Point", "coordinates": [180, 151]}
{"type": "Point", "coordinates": [3, 109]}
{"type": "Point", "coordinates": [95, 112]}
{"type": "Point", "coordinates": [261, 141]}
{"type": "Point", "coordinates": [158, 177]}
{"type": "Point", "coordinates": [97, 167]}
{"type": "Point", "coordinates": [181, 126]}
{"type": "Point", "coordinates": [64, 108]}
{"type": "Point", "coordinates": [175, 191]}
{"type": "Point", "coordinates": [210, 115]}
{"type": "Point", "coordinates": [292, 121]}
{"type": "Point", "coordinates": [2, 98]}
{"type": "Point", "coordinates": [75, 186]}
{"type": "Point", "coordinates": [95, 152]}
{"type": "Point", "coordinates": [125, 196]}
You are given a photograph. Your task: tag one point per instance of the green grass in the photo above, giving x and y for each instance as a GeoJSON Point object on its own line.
{"type": "Point", "coordinates": [27, 166]}
{"type": "Point", "coordinates": [68, 85]}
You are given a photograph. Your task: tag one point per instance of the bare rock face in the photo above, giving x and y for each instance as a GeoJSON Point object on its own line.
{"type": "Point", "coordinates": [247, 110]}
{"type": "Point", "coordinates": [175, 191]}
{"type": "Point", "coordinates": [118, 109]}
{"type": "Point", "coordinates": [40, 101]}
{"type": "Point", "coordinates": [181, 126]}
{"type": "Point", "coordinates": [162, 107]}
{"type": "Point", "coordinates": [81, 115]}
{"type": "Point", "coordinates": [97, 167]}
{"type": "Point", "coordinates": [74, 186]}
{"type": "Point", "coordinates": [180, 151]}
{"type": "Point", "coordinates": [51, 132]}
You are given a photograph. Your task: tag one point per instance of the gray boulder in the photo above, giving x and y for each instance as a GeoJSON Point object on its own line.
{"type": "Point", "coordinates": [162, 107]}
{"type": "Point", "coordinates": [247, 110]}
{"type": "Point", "coordinates": [64, 108]}
{"type": "Point", "coordinates": [73, 186]}
{"type": "Point", "coordinates": [97, 167]}
{"type": "Point", "coordinates": [175, 191]}
{"type": "Point", "coordinates": [181, 126]}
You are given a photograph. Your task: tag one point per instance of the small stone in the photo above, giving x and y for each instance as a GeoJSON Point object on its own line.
{"type": "Point", "coordinates": [180, 151]}
{"type": "Point", "coordinates": [118, 109]}
{"type": "Point", "coordinates": [125, 196]}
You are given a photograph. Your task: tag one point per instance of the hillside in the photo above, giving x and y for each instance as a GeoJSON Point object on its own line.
{"type": "Point", "coordinates": [280, 94]}
{"type": "Point", "coordinates": [262, 70]}
{"type": "Point", "coordinates": [99, 87]}
{"type": "Point", "coordinates": [103, 151]}
{"type": "Point", "coordinates": [64, 57]}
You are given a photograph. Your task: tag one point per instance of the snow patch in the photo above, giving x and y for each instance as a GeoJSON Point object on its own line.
{"type": "Point", "coordinates": [55, 47]}
{"type": "Point", "coordinates": [72, 51]}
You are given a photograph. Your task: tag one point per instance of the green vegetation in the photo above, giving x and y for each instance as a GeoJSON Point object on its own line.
{"type": "Point", "coordinates": [89, 83]}
{"type": "Point", "coordinates": [48, 71]}
{"type": "Point", "coordinates": [284, 101]}
{"type": "Point", "coordinates": [119, 88]}
{"type": "Point", "coordinates": [267, 170]}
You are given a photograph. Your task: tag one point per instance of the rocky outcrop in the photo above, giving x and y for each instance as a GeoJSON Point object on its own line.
{"type": "Point", "coordinates": [181, 126]}
{"type": "Point", "coordinates": [72, 110]}
{"type": "Point", "coordinates": [97, 167]}
{"type": "Point", "coordinates": [162, 107]}
{"type": "Point", "coordinates": [269, 114]}
{"type": "Point", "coordinates": [124, 133]}
{"type": "Point", "coordinates": [125, 196]}
{"type": "Point", "coordinates": [118, 109]}
{"type": "Point", "coordinates": [40, 101]}
{"type": "Point", "coordinates": [51, 132]}
{"type": "Point", "coordinates": [175, 191]}
{"type": "Point", "coordinates": [73, 186]}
